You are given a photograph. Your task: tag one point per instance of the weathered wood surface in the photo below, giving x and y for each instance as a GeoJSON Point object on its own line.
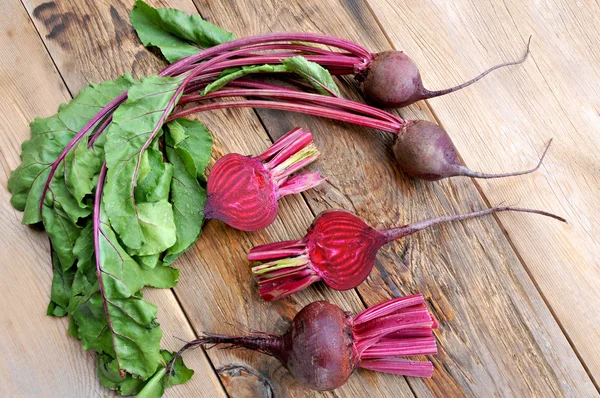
{"type": "Point", "coordinates": [503, 122]}
{"type": "Point", "coordinates": [497, 334]}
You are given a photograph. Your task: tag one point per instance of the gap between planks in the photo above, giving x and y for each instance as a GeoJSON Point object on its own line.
{"type": "Point", "coordinates": [498, 221]}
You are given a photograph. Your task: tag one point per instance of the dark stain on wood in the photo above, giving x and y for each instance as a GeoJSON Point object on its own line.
{"type": "Point", "coordinates": [56, 23]}
{"type": "Point", "coordinates": [357, 9]}
{"type": "Point", "coordinates": [123, 29]}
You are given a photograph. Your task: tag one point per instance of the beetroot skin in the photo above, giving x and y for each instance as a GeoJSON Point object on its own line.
{"type": "Point", "coordinates": [243, 191]}
{"type": "Point", "coordinates": [339, 249]}
{"type": "Point", "coordinates": [324, 344]}
{"type": "Point", "coordinates": [424, 150]}
{"type": "Point", "coordinates": [392, 80]}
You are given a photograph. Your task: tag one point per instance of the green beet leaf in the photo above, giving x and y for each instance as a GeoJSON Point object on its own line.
{"type": "Point", "coordinates": [147, 228]}
{"type": "Point", "coordinates": [61, 288]}
{"type": "Point", "coordinates": [49, 136]}
{"type": "Point", "coordinates": [82, 166]}
{"type": "Point", "coordinates": [156, 184]}
{"type": "Point", "coordinates": [112, 318]}
{"type": "Point", "coordinates": [85, 279]}
{"type": "Point", "coordinates": [149, 261]}
{"type": "Point", "coordinates": [232, 74]}
{"type": "Point", "coordinates": [187, 195]}
{"type": "Point", "coordinates": [313, 73]}
{"type": "Point", "coordinates": [63, 233]}
{"type": "Point", "coordinates": [109, 375]}
{"type": "Point", "coordinates": [155, 387]}
{"type": "Point", "coordinates": [174, 32]}
{"type": "Point", "coordinates": [193, 144]}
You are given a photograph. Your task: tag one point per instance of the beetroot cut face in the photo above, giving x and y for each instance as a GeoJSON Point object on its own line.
{"type": "Point", "coordinates": [339, 249]}
{"type": "Point", "coordinates": [324, 344]}
{"type": "Point", "coordinates": [243, 191]}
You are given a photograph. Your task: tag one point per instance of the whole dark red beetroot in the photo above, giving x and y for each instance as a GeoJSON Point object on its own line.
{"type": "Point", "coordinates": [424, 150]}
{"type": "Point", "coordinates": [393, 80]}
{"type": "Point", "coordinates": [243, 191]}
{"type": "Point", "coordinates": [324, 345]}
{"type": "Point", "coordinates": [338, 249]}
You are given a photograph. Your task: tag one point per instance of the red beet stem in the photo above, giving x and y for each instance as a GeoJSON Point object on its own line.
{"type": "Point", "coordinates": [399, 327]}
{"type": "Point", "coordinates": [284, 93]}
{"type": "Point", "coordinates": [294, 107]}
{"type": "Point", "coordinates": [275, 250]}
{"type": "Point", "coordinates": [263, 342]}
{"type": "Point", "coordinates": [287, 272]}
{"type": "Point", "coordinates": [405, 230]}
{"type": "Point", "coordinates": [337, 42]}
{"type": "Point", "coordinates": [464, 171]}
{"type": "Point", "coordinates": [97, 232]}
{"type": "Point", "coordinates": [399, 366]}
{"type": "Point", "coordinates": [426, 94]}
{"type": "Point", "coordinates": [300, 183]}
{"type": "Point", "coordinates": [336, 61]}
{"type": "Point", "coordinates": [387, 307]}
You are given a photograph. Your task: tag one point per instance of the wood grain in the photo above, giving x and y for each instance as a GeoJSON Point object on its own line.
{"type": "Point", "coordinates": [502, 123]}
{"type": "Point", "coordinates": [39, 357]}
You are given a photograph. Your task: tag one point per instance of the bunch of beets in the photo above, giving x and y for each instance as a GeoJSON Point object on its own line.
{"type": "Point", "coordinates": [117, 178]}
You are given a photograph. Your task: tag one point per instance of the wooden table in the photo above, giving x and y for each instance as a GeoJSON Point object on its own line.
{"type": "Point", "coordinates": [516, 295]}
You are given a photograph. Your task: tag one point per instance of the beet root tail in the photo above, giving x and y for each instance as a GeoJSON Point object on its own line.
{"type": "Point", "coordinates": [409, 229]}
{"type": "Point", "coordinates": [464, 171]}
{"type": "Point", "coordinates": [262, 342]}
{"type": "Point", "coordinates": [426, 94]}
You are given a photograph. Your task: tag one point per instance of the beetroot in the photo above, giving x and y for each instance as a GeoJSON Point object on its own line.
{"type": "Point", "coordinates": [243, 191]}
{"type": "Point", "coordinates": [338, 249]}
{"type": "Point", "coordinates": [324, 344]}
{"type": "Point", "coordinates": [392, 80]}
{"type": "Point", "coordinates": [424, 150]}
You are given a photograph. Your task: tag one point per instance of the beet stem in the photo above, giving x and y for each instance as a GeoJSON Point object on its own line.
{"type": "Point", "coordinates": [265, 343]}
{"type": "Point", "coordinates": [426, 94]}
{"type": "Point", "coordinates": [464, 171]}
{"type": "Point", "coordinates": [405, 230]}
{"type": "Point", "coordinates": [97, 232]}
{"type": "Point", "coordinates": [337, 42]}
{"type": "Point", "coordinates": [294, 107]}
{"type": "Point", "coordinates": [283, 93]}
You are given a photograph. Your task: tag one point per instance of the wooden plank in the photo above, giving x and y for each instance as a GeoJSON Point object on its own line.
{"type": "Point", "coordinates": [39, 358]}
{"type": "Point", "coordinates": [502, 122]}
{"type": "Point", "coordinates": [497, 335]}
{"type": "Point", "coordinates": [215, 285]}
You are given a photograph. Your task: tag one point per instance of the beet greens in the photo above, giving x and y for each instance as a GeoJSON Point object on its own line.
{"type": "Point", "coordinates": [390, 79]}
